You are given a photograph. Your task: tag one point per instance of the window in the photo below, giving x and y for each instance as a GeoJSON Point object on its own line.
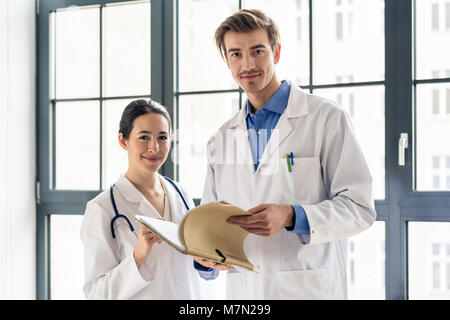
{"type": "Point", "coordinates": [432, 93]}
{"type": "Point", "coordinates": [302, 20]}
{"type": "Point", "coordinates": [429, 260]}
{"type": "Point", "coordinates": [440, 15]}
{"type": "Point", "coordinates": [441, 268]}
{"type": "Point", "coordinates": [93, 59]}
{"type": "Point", "coordinates": [439, 173]}
{"type": "Point", "coordinates": [366, 264]}
{"type": "Point", "coordinates": [379, 96]}
{"type": "Point", "coordinates": [344, 19]}
{"type": "Point", "coordinates": [435, 16]}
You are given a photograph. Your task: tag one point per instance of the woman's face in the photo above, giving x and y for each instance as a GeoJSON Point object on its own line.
{"type": "Point", "coordinates": [148, 144]}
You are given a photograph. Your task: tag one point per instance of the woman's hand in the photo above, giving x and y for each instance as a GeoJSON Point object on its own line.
{"type": "Point", "coordinates": [146, 240]}
{"type": "Point", "coordinates": [212, 264]}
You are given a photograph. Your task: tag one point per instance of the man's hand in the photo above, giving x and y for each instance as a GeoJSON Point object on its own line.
{"type": "Point", "coordinates": [212, 264]}
{"type": "Point", "coordinates": [266, 219]}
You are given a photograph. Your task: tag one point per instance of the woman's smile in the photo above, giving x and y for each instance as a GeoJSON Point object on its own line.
{"type": "Point", "coordinates": [152, 159]}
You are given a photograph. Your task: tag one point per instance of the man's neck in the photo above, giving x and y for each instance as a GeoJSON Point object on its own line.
{"type": "Point", "coordinates": [259, 99]}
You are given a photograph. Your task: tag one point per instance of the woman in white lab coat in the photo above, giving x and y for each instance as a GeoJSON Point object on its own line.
{"type": "Point", "coordinates": [123, 259]}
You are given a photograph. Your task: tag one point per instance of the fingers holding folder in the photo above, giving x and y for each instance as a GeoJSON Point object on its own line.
{"type": "Point", "coordinates": [212, 264]}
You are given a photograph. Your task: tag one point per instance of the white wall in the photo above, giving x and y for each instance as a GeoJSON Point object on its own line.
{"type": "Point", "coordinates": [17, 149]}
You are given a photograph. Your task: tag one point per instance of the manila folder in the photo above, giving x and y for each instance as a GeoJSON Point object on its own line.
{"type": "Point", "coordinates": [206, 233]}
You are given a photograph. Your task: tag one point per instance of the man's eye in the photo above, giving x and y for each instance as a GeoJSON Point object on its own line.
{"type": "Point", "coordinates": [163, 138]}
{"type": "Point", "coordinates": [143, 138]}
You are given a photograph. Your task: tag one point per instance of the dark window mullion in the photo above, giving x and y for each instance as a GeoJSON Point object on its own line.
{"type": "Point", "coordinates": [101, 98]}
{"type": "Point", "coordinates": [311, 78]}
{"type": "Point", "coordinates": [53, 112]}
{"type": "Point", "coordinates": [53, 146]}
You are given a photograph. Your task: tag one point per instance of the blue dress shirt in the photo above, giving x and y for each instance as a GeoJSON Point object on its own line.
{"type": "Point", "coordinates": [260, 127]}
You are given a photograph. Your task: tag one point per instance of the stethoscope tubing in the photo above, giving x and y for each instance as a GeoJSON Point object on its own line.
{"type": "Point", "coordinates": [118, 215]}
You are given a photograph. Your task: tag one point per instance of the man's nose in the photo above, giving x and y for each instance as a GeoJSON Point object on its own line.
{"type": "Point", "coordinates": [248, 62]}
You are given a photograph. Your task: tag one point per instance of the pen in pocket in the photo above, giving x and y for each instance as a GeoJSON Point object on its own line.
{"type": "Point", "coordinates": [288, 162]}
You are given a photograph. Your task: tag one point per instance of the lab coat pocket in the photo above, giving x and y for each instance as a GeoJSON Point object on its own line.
{"type": "Point", "coordinates": [302, 181]}
{"type": "Point", "coordinates": [306, 284]}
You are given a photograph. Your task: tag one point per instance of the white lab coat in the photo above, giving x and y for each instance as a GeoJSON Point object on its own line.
{"type": "Point", "coordinates": [329, 178]}
{"type": "Point", "coordinates": [110, 269]}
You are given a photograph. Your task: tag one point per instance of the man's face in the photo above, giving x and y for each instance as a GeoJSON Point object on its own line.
{"type": "Point", "coordinates": [251, 59]}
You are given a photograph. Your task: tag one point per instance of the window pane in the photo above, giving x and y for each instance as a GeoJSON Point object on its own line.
{"type": "Point", "coordinates": [339, 26]}
{"type": "Point", "coordinates": [435, 16]}
{"type": "Point", "coordinates": [348, 40]}
{"type": "Point", "coordinates": [292, 19]}
{"type": "Point", "coordinates": [365, 105]}
{"type": "Point", "coordinates": [435, 101]}
{"type": "Point", "coordinates": [77, 55]}
{"type": "Point", "coordinates": [436, 162]}
{"type": "Point", "coordinates": [200, 64]}
{"type": "Point", "coordinates": [432, 127]}
{"type": "Point", "coordinates": [448, 101]}
{"type": "Point", "coordinates": [428, 277]}
{"type": "Point", "coordinates": [66, 258]}
{"type": "Point", "coordinates": [115, 159]}
{"type": "Point", "coordinates": [447, 15]}
{"type": "Point", "coordinates": [200, 116]}
{"type": "Point", "coordinates": [431, 34]}
{"type": "Point", "coordinates": [77, 144]}
{"type": "Point", "coordinates": [126, 49]}
{"type": "Point", "coordinates": [366, 263]}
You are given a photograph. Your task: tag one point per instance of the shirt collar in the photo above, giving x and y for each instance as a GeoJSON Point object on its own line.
{"type": "Point", "coordinates": [277, 103]}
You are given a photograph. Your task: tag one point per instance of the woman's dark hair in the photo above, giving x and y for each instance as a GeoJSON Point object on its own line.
{"type": "Point", "coordinates": [137, 108]}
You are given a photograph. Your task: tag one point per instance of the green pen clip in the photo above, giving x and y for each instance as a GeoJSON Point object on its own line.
{"type": "Point", "coordinates": [288, 161]}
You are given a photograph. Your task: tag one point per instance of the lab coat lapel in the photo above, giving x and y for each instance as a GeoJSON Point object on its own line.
{"type": "Point", "coordinates": [177, 207]}
{"type": "Point", "coordinates": [237, 135]}
{"type": "Point", "coordinates": [297, 107]}
{"type": "Point", "coordinates": [281, 131]}
{"type": "Point", "coordinates": [137, 199]}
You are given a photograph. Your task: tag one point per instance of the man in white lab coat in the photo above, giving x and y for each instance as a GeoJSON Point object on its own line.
{"type": "Point", "coordinates": [291, 159]}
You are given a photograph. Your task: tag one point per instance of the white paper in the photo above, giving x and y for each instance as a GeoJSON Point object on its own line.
{"type": "Point", "coordinates": [166, 230]}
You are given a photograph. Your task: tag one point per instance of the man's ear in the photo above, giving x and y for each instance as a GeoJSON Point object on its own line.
{"type": "Point", "coordinates": [123, 142]}
{"type": "Point", "coordinates": [277, 53]}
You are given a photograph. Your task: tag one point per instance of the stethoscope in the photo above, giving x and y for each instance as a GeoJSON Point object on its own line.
{"type": "Point", "coordinates": [118, 215]}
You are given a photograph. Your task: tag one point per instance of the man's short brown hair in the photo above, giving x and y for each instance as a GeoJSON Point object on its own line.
{"type": "Point", "coordinates": [247, 20]}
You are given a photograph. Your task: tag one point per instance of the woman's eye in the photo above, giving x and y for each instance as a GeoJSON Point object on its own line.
{"type": "Point", "coordinates": [143, 138]}
{"type": "Point", "coordinates": [163, 138]}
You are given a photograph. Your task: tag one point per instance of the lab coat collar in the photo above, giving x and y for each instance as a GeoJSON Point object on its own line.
{"type": "Point", "coordinates": [277, 103]}
{"type": "Point", "coordinates": [128, 190]}
{"type": "Point", "coordinates": [131, 193]}
{"type": "Point", "coordinates": [297, 106]}
{"type": "Point", "coordinates": [175, 201]}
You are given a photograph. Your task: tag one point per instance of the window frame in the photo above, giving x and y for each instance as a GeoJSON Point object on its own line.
{"type": "Point", "coordinates": [402, 204]}
{"type": "Point", "coordinates": [50, 201]}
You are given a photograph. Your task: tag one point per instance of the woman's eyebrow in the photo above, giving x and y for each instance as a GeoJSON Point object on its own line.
{"type": "Point", "coordinates": [149, 132]}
